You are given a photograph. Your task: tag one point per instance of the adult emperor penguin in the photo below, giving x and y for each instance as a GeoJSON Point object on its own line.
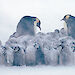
{"type": "Point", "coordinates": [27, 25]}
{"type": "Point", "coordinates": [70, 25]}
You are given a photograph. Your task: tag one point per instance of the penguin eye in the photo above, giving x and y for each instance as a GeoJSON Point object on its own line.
{"type": "Point", "coordinates": [34, 19]}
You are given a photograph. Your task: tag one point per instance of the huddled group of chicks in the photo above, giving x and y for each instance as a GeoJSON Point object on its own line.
{"type": "Point", "coordinates": [53, 48]}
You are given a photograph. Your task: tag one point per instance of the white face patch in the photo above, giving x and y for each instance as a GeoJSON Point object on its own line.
{"type": "Point", "coordinates": [35, 27]}
{"type": "Point", "coordinates": [35, 23]}
{"type": "Point", "coordinates": [65, 26]}
{"type": "Point", "coordinates": [67, 17]}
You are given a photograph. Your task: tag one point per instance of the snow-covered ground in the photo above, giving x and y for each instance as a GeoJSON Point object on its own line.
{"type": "Point", "coordinates": [38, 70]}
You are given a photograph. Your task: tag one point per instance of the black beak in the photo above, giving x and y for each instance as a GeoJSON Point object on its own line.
{"type": "Point", "coordinates": [38, 25]}
{"type": "Point", "coordinates": [40, 28]}
{"type": "Point", "coordinates": [62, 19]}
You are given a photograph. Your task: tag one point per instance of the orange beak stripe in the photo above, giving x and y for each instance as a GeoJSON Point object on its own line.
{"type": "Point", "coordinates": [37, 20]}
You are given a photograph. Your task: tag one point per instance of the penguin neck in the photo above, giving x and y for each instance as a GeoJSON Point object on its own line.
{"type": "Point", "coordinates": [35, 29]}
{"type": "Point", "coordinates": [65, 26]}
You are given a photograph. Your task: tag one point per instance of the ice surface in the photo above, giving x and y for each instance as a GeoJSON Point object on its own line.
{"type": "Point", "coordinates": [38, 70]}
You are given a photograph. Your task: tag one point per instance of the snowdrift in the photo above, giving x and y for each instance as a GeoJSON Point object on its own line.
{"type": "Point", "coordinates": [53, 48]}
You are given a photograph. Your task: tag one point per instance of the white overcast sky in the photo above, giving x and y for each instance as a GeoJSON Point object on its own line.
{"type": "Point", "coordinates": [50, 12]}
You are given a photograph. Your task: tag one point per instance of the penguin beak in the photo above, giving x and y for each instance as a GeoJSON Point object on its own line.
{"type": "Point", "coordinates": [38, 25]}
{"type": "Point", "coordinates": [62, 19]}
{"type": "Point", "coordinates": [40, 28]}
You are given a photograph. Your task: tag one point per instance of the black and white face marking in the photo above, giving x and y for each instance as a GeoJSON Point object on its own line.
{"type": "Point", "coordinates": [37, 23]}
{"type": "Point", "coordinates": [66, 17]}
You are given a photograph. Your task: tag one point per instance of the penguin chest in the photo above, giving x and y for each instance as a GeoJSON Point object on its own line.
{"type": "Point", "coordinates": [65, 26]}
{"type": "Point", "coordinates": [35, 27]}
